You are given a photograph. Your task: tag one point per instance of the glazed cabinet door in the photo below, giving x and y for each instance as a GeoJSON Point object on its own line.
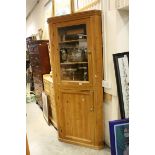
{"type": "Point", "coordinates": [73, 56]}
{"type": "Point", "coordinates": [76, 116]}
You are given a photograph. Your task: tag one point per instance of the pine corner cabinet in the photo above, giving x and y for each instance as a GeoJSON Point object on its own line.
{"type": "Point", "coordinates": [76, 58]}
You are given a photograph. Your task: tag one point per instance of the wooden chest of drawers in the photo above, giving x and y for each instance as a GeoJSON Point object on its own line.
{"type": "Point", "coordinates": [40, 63]}
{"type": "Point", "coordinates": [49, 90]}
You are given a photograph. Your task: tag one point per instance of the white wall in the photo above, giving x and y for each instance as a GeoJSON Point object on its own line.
{"type": "Point", "coordinates": [38, 19]}
{"type": "Point", "coordinates": [116, 40]}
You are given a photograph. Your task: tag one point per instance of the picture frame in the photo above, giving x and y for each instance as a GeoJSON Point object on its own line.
{"type": "Point", "coordinates": [119, 137]}
{"type": "Point", "coordinates": [121, 66]}
{"type": "Point", "coordinates": [83, 5]}
{"type": "Point", "coordinates": [62, 8]}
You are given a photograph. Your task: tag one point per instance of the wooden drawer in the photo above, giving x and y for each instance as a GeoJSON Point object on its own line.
{"type": "Point", "coordinates": [52, 106]}
{"type": "Point", "coordinates": [46, 91]}
{"type": "Point", "coordinates": [53, 101]}
{"type": "Point", "coordinates": [46, 86]}
{"type": "Point", "coordinates": [51, 89]}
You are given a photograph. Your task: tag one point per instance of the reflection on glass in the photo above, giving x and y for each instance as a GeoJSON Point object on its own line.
{"type": "Point", "coordinates": [73, 53]}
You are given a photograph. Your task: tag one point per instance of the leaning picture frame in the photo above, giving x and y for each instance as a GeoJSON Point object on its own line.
{"type": "Point", "coordinates": [121, 66]}
{"type": "Point", "coordinates": [119, 137]}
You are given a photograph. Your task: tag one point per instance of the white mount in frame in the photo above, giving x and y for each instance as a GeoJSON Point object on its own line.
{"type": "Point", "coordinates": [121, 64]}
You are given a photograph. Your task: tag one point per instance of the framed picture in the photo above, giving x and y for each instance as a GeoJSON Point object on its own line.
{"type": "Point", "coordinates": [121, 65]}
{"type": "Point", "coordinates": [62, 8]}
{"type": "Point", "coordinates": [119, 137]}
{"type": "Point", "coordinates": [83, 5]}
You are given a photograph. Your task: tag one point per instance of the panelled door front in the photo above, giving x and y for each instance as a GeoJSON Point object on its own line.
{"type": "Point", "coordinates": [77, 116]}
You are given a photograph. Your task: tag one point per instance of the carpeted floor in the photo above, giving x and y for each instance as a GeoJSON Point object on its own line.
{"type": "Point", "coordinates": [42, 138]}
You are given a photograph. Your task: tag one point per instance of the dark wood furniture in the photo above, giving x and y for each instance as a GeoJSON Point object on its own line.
{"type": "Point", "coordinates": [40, 63]}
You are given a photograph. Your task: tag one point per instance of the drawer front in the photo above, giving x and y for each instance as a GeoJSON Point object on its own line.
{"type": "Point", "coordinates": [45, 90]}
{"type": "Point", "coordinates": [54, 117]}
{"type": "Point", "coordinates": [51, 90]}
{"type": "Point", "coordinates": [53, 100]}
{"type": "Point", "coordinates": [46, 86]}
{"type": "Point", "coordinates": [51, 87]}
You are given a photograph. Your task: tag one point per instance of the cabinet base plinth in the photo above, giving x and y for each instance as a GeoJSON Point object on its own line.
{"type": "Point", "coordinates": [82, 144]}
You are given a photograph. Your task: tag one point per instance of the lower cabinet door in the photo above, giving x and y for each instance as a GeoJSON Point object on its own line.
{"type": "Point", "coordinates": [76, 116]}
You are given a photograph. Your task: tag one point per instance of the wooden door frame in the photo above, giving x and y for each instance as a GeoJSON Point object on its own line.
{"type": "Point", "coordinates": [84, 84]}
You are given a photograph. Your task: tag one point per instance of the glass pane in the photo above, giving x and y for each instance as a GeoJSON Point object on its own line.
{"type": "Point", "coordinates": [73, 53]}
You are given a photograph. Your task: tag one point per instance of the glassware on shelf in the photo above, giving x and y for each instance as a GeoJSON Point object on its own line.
{"type": "Point", "coordinates": [85, 71]}
{"type": "Point", "coordinates": [72, 70]}
{"type": "Point", "coordinates": [86, 54]}
{"type": "Point", "coordinates": [75, 36]}
{"type": "Point", "coordinates": [63, 53]}
{"type": "Point", "coordinates": [73, 53]}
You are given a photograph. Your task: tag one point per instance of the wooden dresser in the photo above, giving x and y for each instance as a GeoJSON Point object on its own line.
{"type": "Point", "coordinates": [40, 63]}
{"type": "Point", "coordinates": [49, 90]}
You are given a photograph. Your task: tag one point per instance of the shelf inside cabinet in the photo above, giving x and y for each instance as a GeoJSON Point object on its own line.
{"type": "Point", "coordinates": [72, 41]}
{"type": "Point", "coordinates": [72, 63]}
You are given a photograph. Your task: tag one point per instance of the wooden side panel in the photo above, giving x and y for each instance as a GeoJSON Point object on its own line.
{"type": "Point", "coordinates": [98, 76]}
{"type": "Point", "coordinates": [78, 116]}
